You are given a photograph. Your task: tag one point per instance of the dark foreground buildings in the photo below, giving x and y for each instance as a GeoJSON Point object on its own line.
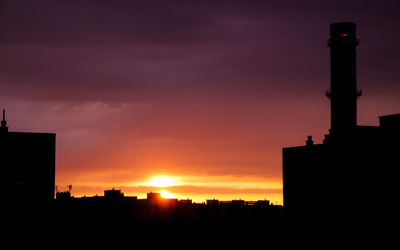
{"type": "Point", "coordinates": [349, 179]}
{"type": "Point", "coordinates": [114, 209]}
{"type": "Point", "coordinates": [27, 163]}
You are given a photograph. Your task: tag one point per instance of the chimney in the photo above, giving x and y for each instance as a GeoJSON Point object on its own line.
{"type": "Point", "coordinates": [343, 90]}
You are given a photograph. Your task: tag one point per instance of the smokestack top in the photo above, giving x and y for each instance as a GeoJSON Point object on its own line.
{"type": "Point", "coordinates": [343, 28]}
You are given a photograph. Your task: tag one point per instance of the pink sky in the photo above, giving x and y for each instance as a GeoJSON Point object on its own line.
{"type": "Point", "coordinates": [207, 92]}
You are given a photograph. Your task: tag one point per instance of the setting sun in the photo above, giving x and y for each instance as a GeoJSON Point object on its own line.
{"type": "Point", "coordinates": [161, 182]}
{"type": "Point", "coordinates": [167, 195]}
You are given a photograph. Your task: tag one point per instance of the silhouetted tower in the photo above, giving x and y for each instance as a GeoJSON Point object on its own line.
{"type": "Point", "coordinates": [343, 93]}
{"type": "Point", "coordinates": [354, 163]}
{"type": "Point", "coordinates": [27, 162]}
{"type": "Point", "coordinates": [4, 127]}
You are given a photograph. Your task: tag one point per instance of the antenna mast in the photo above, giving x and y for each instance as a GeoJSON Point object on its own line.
{"type": "Point", "coordinates": [4, 122]}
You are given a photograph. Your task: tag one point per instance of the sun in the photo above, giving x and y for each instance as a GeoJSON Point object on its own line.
{"type": "Point", "coordinates": [161, 182]}
{"type": "Point", "coordinates": [167, 195]}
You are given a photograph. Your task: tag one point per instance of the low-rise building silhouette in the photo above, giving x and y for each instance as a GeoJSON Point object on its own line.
{"type": "Point", "coordinates": [113, 194]}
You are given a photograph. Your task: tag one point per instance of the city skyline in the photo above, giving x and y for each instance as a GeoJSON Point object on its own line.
{"type": "Point", "coordinates": [205, 94]}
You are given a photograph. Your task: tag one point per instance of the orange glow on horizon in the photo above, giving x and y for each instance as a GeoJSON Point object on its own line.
{"type": "Point", "coordinates": [198, 188]}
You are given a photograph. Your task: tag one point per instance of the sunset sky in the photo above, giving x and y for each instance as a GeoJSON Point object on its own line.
{"type": "Point", "coordinates": [205, 92]}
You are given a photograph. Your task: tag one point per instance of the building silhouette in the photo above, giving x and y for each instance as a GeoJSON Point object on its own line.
{"type": "Point", "coordinates": [350, 178]}
{"type": "Point", "coordinates": [27, 164]}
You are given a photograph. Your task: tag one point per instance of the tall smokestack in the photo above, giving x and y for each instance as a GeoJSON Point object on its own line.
{"type": "Point", "coordinates": [343, 92]}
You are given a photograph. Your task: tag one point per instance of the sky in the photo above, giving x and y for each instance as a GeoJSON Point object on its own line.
{"type": "Point", "coordinates": [205, 93]}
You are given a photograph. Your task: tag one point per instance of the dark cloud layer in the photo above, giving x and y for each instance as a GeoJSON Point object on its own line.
{"type": "Point", "coordinates": [116, 49]}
